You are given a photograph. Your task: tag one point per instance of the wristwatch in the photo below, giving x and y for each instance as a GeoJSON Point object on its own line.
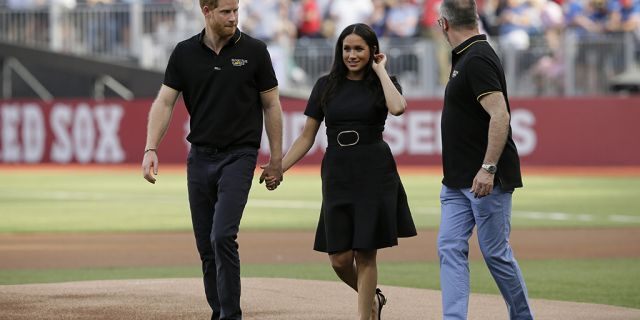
{"type": "Point", "coordinates": [491, 168]}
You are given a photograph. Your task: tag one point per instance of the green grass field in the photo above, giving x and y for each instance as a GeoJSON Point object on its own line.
{"type": "Point", "coordinates": [62, 201]}
{"type": "Point", "coordinates": [50, 201]}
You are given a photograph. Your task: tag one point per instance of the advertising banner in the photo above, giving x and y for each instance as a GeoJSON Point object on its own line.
{"type": "Point", "coordinates": [577, 132]}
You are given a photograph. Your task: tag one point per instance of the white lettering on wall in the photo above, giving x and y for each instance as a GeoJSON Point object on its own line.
{"type": "Point", "coordinates": [83, 133]}
{"type": "Point", "coordinates": [424, 133]}
{"type": "Point", "coordinates": [10, 144]}
{"type": "Point", "coordinates": [33, 133]}
{"type": "Point", "coordinates": [394, 134]}
{"type": "Point", "coordinates": [23, 133]}
{"type": "Point", "coordinates": [108, 119]}
{"type": "Point", "coordinates": [524, 135]}
{"type": "Point", "coordinates": [60, 120]}
{"type": "Point", "coordinates": [414, 133]}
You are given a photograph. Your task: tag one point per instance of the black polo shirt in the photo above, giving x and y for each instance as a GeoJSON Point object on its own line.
{"type": "Point", "coordinates": [476, 71]}
{"type": "Point", "coordinates": [222, 91]}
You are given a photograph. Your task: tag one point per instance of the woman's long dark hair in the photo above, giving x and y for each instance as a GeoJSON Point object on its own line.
{"type": "Point", "coordinates": [339, 70]}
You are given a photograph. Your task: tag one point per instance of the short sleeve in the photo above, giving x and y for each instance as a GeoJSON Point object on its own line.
{"type": "Point", "coordinates": [483, 76]}
{"type": "Point", "coordinates": [265, 75]}
{"type": "Point", "coordinates": [314, 109]}
{"type": "Point", "coordinates": [172, 77]}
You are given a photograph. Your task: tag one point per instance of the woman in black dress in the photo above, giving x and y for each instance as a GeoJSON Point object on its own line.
{"type": "Point", "coordinates": [364, 205]}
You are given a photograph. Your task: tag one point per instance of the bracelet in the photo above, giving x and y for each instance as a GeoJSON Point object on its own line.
{"type": "Point", "coordinates": [151, 149]}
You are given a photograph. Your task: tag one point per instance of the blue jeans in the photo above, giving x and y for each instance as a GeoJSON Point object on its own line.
{"type": "Point", "coordinates": [219, 184]}
{"type": "Point", "coordinates": [492, 215]}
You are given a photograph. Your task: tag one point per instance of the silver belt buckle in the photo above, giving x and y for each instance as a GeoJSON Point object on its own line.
{"type": "Point", "coordinates": [348, 144]}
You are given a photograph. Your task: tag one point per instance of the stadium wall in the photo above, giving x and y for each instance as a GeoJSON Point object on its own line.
{"type": "Point", "coordinates": [577, 132]}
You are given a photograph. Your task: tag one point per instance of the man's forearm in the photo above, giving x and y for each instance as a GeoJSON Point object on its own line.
{"type": "Point", "coordinates": [158, 123]}
{"type": "Point", "coordinates": [498, 131]}
{"type": "Point", "coordinates": [273, 126]}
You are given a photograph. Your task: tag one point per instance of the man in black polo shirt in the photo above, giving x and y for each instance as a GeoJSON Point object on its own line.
{"type": "Point", "coordinates": [227, 82]}
{"type": "Point", "coordinates": [481, 167]}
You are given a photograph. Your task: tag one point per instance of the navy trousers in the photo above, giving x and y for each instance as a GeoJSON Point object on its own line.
{"type": "Point", "coordinates": [219, 183]}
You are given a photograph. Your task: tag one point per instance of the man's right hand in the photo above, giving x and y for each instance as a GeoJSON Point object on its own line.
{"type": "Point", "coordinates": [149, 163]}
{"type": "Point", "coordinates": [272, 175]}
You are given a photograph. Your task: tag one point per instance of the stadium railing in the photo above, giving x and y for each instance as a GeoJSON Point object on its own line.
{"type": "Point", "coordinates": [145, 34]}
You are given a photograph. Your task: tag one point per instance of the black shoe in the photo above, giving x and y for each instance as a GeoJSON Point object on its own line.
{"type": "Point", "coordinates": [382, 300]}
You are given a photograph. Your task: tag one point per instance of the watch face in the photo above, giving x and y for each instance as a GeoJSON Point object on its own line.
{"type": "Point", "coordinates": [490, 168]}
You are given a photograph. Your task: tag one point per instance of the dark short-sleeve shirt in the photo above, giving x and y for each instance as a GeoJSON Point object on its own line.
{"type": "Point", "coordinates": [476, 71]}
{"type": "Point", "coordinates": [353, 103]}
{"type": "Point", "coordinates": [222, 91]}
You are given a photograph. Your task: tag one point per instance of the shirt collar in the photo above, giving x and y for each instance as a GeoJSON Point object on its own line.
{"type": "Point", "coordinates": [234, 39]}
{"type": "Point", "coordinates": [468, 43]}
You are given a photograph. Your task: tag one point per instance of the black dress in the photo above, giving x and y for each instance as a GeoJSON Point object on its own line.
{"type": "Point", "coordinates": [364, 205]}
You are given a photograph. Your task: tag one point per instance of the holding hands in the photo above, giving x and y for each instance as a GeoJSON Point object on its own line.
{"type": "Point", "coordinates": [272, 175]}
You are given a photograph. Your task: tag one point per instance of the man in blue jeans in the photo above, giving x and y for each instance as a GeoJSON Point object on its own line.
{"type": "Point", "coordinates": [481, 167]}
{"type": "Point", "coordinates": [227, 81]}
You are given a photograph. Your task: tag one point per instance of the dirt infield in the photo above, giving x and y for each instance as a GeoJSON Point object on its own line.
{"type": "Point", "coordinates": [262, 299]}
{"type": "Point", "coordinates": [265, 299]}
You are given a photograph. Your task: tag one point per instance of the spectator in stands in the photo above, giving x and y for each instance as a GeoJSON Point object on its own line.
{"type": "Point", "coordinates": [401, 28]}
{"type": "Point", "coordinates": [548, 70]}
{"type": "Point", "coordinates": [347, 12]}
{"type": "Point", "coordinates": [402, 20]}
{"type": "Point", "coordinates": [310, 20]}
{"type": "Point", "coordinates": [227, 100]}
{"type": "Point", "coordinates": [431, 30]}
{"type": "Point", "coordinates": [588, 21]}
{"type": "Point", "coordinates": [625, 17]}
{"type": "Point", "coordinates": [282, 45]}
{"type": "Point", "coordinates": [378, 19]}
{"type": "Point", "coordinates": [25, 4]}
{"type": "Point", "coordinates": [515, 22]}
{"type": "Point", "coordinates": [324, 7]}
{"type": "Point", "coordinates": [260, 18]}
{"type": "Point", "coordinates": [489, 14]}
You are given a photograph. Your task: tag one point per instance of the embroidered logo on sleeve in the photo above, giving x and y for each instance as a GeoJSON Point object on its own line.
{"type": "Point", "coordinates": [454, 74]}
{"type": "Point", "coordinates": [239, 62]}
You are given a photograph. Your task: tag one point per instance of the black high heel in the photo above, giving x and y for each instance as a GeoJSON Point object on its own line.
{"type": "Point", "coordinates": [382, 300]}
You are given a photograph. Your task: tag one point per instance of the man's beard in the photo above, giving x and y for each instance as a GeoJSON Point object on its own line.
{"type": "Point", "coordinates": [225, 31]}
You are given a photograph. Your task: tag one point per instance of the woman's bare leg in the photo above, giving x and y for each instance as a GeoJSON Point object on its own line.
{"type": "Point", "coordinates": [343, 265]}
{"type": "Point", "coordinates": [367, 270]}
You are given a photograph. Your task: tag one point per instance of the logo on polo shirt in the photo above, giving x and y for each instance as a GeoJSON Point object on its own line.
{"type": "Point", "coordinates": [239, 62]}
{"type": "Point", "coordinates": [454, 74]}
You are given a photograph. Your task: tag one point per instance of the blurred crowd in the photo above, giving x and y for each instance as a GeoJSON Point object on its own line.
{"type": "Point", "coordinates": [33, 4]}
{"type": "Point", "coordinates": [517, 25]}
{"type": "Point", "coordinates": [515, 20]}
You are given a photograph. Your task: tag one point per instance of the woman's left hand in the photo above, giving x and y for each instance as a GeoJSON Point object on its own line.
{"type": "Point", "coordinates": [379, 62]}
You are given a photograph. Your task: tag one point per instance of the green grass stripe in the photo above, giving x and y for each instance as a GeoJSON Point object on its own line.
{"type": "Point", "coordinates": [50, 201]}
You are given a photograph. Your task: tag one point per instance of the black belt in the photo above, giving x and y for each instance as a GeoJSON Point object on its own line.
{"type": "Point", "coordinates": [345, 136]}
{"type": "Point", "coordinates": [216, 150]}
